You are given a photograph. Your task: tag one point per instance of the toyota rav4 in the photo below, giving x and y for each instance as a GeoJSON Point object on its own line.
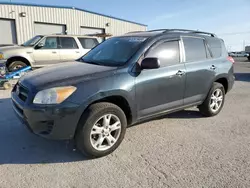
{"type": "Point", "coordinates": [123, 81]}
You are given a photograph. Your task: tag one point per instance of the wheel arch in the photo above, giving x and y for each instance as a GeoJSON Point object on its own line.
{"type": "Point", "coordinates": [223, 80]}
{"type": "Point", "coordinates": [18, 58]}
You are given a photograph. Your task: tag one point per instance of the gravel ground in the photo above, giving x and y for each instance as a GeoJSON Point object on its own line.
{"type": "Point", "coordinates": [179, 150]}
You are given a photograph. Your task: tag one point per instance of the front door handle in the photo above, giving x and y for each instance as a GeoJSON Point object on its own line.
{"type": "Point", "coordinates": [53, 52]}
{"type": "Point", "coordinates": [180, 73]}
{"type": "Point", "coordinates": [77, 52]}
{"type": "Point", "coordinates": [213, 67]}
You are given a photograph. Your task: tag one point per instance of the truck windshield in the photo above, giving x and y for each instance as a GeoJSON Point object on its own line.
{"type": "Point", "coordinates": [114, 52]}
{"type": "Point", "coordinates": [32, 41]}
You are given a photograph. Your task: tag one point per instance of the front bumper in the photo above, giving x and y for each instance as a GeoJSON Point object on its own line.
{"type": "Point", "coordinates": [57, 122]}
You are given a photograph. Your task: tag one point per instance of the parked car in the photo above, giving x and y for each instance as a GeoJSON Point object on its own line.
{"type": "Point", "coordinates": [46, 50]}
{"type": "Point", "coordinates": [239, 54]}
{"type": "Point", "coordinates": [121, 82]}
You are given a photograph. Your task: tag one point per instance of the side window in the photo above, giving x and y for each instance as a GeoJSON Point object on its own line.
{"type": "Point", "coordinates": [49, 43]}
{"type": "Point", "coordinates": [215, 47]}
{"type": "Point", "coordinates": [168, 53]}
{"type": "Point", "coordinates": [195, 49]}
{"type": "Point", "coordinates": [67, 43]}
{"type": "Point", "coordinates": [88, 43]}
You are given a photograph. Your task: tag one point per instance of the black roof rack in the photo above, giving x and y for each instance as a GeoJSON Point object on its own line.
{"type": "Point", "coordinates": [178, 30]}
{"type": "Point", "coordinates": [189, 31]}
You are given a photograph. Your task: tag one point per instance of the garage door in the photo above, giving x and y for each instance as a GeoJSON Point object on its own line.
{"type": "Point", "coordinates": [92, 31]}
{"type": "Point", "coordinates": [47, 29]}
{"type": "Point", "coordinates": [7, 32]}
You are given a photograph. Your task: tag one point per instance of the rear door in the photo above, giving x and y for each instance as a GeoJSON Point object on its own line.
{"type": "Point", "coordinates": [48, 54]}
{"type": "Point", "coordinates": [200, 69]}
{"type": "Point", "coordinates": [69, 50]}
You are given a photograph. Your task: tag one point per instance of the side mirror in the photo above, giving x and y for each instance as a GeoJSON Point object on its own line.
{"type": "Point", "coordinates": [150, 63]}
{"type": "Point", "coordinates": [39, 45]}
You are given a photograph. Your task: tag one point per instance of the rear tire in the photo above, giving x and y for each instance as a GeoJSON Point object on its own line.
{"type": "Point", "coordinates": [94, 137]}
{"type": "Point", "coordinates": [214, 101]}
{"type": "Point", "coordinates": [16, 65]}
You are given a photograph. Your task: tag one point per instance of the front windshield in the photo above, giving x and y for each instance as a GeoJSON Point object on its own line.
{"type": "Point", "coordinates": [115, 51]}
{"type": "Point", "coordinates": [32, 41]}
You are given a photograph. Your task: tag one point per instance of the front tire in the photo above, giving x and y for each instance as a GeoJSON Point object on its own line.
{"type": "Point", "coordinates": [101, 129]}
{"type": "Point", "coordinates": [214, 101]}
{"type": "Point", "coordinates": [16, 65]}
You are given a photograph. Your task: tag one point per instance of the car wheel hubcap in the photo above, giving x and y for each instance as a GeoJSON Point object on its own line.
{"type": "Point", "coordinates": [105, 132]}
{"type": "Point", "coordinates": [216, 100]}
{"type": "Point", "coordinates": [17, 67]}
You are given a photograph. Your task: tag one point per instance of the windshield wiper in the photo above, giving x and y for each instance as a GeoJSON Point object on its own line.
{"type": "Point", "coordinates": [90, 62]}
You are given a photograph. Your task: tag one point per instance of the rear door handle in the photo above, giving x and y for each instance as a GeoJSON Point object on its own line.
{"type": "Point", "coordinates": [77, 52]}
{"type": "Point", "coordinates": [54, 52]}
{"type": "Point", "coordinates": [180, 73]}
{"type": "Point", "coordinates": [213, 67]}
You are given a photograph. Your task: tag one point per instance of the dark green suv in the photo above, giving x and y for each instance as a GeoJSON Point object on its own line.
{"type": "Point", "coordinates": [123, 81]}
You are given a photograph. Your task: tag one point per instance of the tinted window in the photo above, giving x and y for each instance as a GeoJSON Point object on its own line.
{"type": "Point", "coordinates": [195, 49]}
{"type": "Point", "coordinates": [88, 43]}
{"type": "Point", "coordinates": [215, 47]}
{"type": "Point", "coordinates": [115, 51]}
{"type": "Point", "coordinates": [49, 43]}
{"type": "Point", "coordinates": [168, 53]}
{"type": "Point", "coordinates": [67, 43]}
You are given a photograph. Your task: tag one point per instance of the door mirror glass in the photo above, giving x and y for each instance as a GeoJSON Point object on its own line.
{"type": "Point", "coordinates": [150, 63]}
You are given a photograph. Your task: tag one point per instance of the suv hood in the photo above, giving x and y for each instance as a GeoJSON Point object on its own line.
{"type": "Point", "coordinates": [69, 73]}
{"type": "Point", "coordinates": [11, 48]}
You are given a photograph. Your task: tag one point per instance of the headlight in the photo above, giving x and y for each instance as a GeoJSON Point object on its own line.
{"type": "Point", "coordinates": [54, 95]}
{"type": "Point", "coordinates": [1, 56]}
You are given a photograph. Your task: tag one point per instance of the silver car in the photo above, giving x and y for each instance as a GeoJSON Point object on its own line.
{"type": "Point", "coordinates": [46, 50]}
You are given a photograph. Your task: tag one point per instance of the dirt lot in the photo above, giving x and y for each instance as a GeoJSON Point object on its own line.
{"type": "Point", "coordinates": [179, 150]}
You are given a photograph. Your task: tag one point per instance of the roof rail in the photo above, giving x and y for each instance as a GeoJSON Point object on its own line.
{"type": "Point", "coordinates": [190, 31]}
{"type": "Point", "coordinates": [183, 30]}
{"type": "Point", "coordinates": [135, 32]}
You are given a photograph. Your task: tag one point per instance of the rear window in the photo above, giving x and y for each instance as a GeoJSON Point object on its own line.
{"type": "Point", "coordinates": [215, 47]}
{"type": "Point", "coordinates": [88, 43]}
{"type": "Point", "coordinates": [195, 49]}
{"type": "Point", "coordinates": [67, 43]}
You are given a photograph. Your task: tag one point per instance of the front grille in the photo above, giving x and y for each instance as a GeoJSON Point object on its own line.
{"type": "Point", "coordinates": [22, 92]}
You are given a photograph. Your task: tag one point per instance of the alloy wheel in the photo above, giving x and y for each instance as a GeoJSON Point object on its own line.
{"type": "Point", "coordinates": [105, 132]}
{"type": "Point", "coordinates": [216, 100]}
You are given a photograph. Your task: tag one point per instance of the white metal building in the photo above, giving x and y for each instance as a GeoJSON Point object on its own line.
{"type": "Point", "coordinates": [20, 22]}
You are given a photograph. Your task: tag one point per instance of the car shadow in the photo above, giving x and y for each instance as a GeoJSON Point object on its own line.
{"type": "Point", "coordinates": [19, 146]}
{"type": "Point", "coordinates": [245, 77]}
{"type": "Point", "coordinates": [184, 114]}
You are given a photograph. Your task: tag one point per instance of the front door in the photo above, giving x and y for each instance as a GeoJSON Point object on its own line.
{"type": "Point", "coordinates": [48, 54]}
{"type": "Point", "coordinates": [159, 90]}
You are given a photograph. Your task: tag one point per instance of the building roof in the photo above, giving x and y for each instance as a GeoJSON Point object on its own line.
{"type": "Point", "coordinates": [68, 7]}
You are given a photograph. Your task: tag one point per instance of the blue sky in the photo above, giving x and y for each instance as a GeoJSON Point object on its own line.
{"type": "Point", "coordinates": [230, 19]}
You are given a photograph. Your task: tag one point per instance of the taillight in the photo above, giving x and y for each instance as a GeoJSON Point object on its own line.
{"type": "Point", "coordinates": [229, 58]}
